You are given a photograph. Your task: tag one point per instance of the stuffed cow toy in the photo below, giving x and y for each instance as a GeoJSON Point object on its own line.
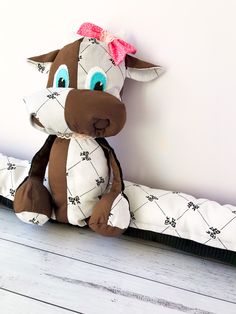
{"type": "Point", "coordinates": [79, 108]}
{"type": "Point", "coordinates": [76, 178]}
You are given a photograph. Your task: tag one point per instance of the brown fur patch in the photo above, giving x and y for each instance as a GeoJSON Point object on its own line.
{"type": "Point", "coordinates": [47, 57]}
{"type": "Point", "coordinates": [132, 62]}
{"type": "Point", "coordinates": [57, 177]}
{"type": "Point", "coordinates": [68, 55]}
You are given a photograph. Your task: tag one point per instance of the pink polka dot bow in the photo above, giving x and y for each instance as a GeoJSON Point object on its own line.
{"type": "Point", "coordinates": [118, 48]}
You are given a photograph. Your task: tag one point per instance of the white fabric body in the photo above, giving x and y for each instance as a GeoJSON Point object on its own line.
{"type": "Point", "coordinates": [87, 178]}
{"type": "Point", "coordinates": [164, 212]}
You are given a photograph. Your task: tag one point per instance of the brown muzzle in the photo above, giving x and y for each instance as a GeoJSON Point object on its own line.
{"type": "Point", "coordinates": [94, 113]}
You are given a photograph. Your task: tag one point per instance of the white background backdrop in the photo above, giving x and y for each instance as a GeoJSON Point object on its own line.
{"type": "Point", "coordinates": [180, 132]}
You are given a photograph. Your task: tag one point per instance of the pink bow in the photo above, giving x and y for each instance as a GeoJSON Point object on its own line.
{"type": "Point", "coordinates": [118, 48]}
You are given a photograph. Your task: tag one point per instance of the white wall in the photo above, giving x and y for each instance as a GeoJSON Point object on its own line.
{"type": "Point", "coordinates": [181, 130]}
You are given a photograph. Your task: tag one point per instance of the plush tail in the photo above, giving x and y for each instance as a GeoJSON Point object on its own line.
{"type": "Point", "coordinates": [12, 172]}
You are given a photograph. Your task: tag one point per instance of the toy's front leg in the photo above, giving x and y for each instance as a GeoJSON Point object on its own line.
{"type": "Point", "coordinates": [111, 214]}
{"type": "Point", "coordinates": [32, 203]}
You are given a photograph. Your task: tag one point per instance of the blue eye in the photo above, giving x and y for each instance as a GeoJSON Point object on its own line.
{"type": "Point", "coordinates": [96, 79]}
{"type": "Point", "coordinates": [61, 78]}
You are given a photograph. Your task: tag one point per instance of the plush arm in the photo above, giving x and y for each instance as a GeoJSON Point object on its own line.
{"type": "Point", "coordinates": [40, 160]}
{"type": "Point", "coordinates": [32, 202]}
{"type": "Point", "coordinates": [111, 215]}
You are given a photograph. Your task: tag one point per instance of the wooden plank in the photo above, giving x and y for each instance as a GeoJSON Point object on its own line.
{"type": "Point", "coordinates": [82, 287]}
{"type": "Point", "coordinates": [167, 267]}
{"type": "Point", "coordinates": [19, 304]}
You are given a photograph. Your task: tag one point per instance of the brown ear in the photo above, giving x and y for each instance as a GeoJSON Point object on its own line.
{"type": "Point", "coordinates": [43, 62]}
{"type": "Point", "coordinates": [140, 70]}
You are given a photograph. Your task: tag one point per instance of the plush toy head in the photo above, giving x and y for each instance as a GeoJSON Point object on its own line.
{"type": "Point", "coordinates": [86, 77]}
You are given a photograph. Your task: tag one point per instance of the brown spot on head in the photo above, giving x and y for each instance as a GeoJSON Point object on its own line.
{"type": "Point", "coordinates": [68, 55]}
{"type": "Point", "coordinates": [94, 113]}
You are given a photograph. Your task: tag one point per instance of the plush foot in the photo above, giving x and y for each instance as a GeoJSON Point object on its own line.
{"type": "Point", "coordinates": [111, 215]}
{"type": "Point", "coordinates": [32, 218]}
{"type": "Point", "coordinates": [32, 202]}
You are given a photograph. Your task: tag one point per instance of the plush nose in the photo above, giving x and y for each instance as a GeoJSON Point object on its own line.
{"type": "Point", "coordinates": [101, 124]}
{"type": "Point", "coordinates": [94, 113]}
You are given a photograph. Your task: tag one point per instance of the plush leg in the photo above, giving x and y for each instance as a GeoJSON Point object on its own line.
{"type": "Point", "coordinates": [12, 173]}
{"type": "Point", "coordinates": [111, 215]}
{"type": "Point", "coordinates": [33, 202]}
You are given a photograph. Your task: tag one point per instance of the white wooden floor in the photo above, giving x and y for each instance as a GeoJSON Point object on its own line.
{"type": "Point", "coordinates": [63, 269]}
